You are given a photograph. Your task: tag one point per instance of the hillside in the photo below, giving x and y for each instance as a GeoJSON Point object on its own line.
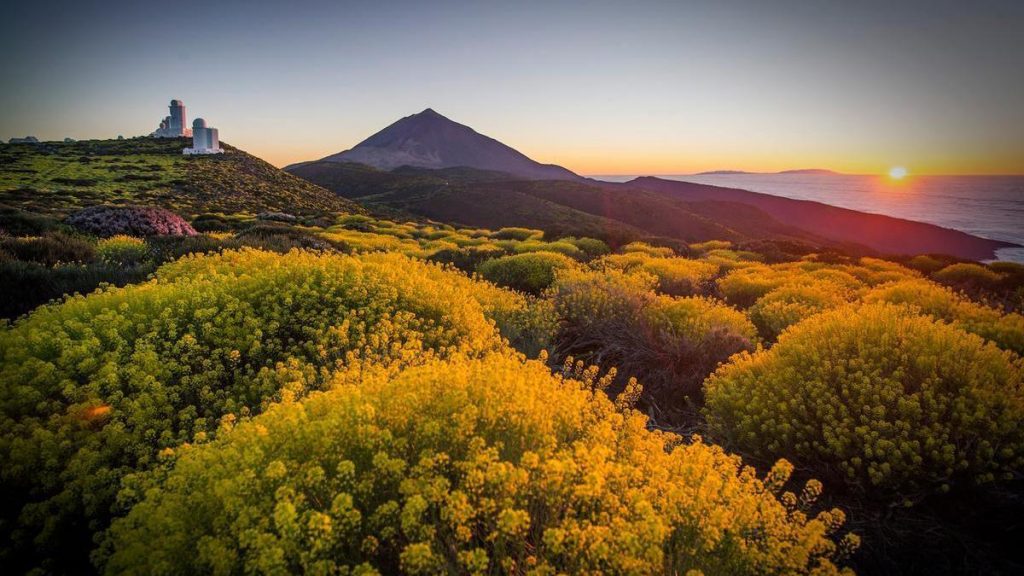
{"type": "Point", "coordinates": [883, 233]}
{"type": "Point", "coordinates": [60, 177]}
{"type": "Point", "coordinates": [614, 213]}
{"type": "Point", "coordinates": [429, 165]}
{"type": "Point", "coordinates": [430, 140]}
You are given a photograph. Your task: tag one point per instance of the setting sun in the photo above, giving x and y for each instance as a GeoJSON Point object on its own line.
{"type": "Point", "coordinates": [897, 173]}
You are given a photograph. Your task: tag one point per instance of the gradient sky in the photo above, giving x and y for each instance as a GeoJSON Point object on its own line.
{"type": "Point", "coordinates": [599, 87]}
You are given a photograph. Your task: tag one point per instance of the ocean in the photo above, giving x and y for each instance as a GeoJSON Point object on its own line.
{"type": "Point", "coordinates": [987, 206]}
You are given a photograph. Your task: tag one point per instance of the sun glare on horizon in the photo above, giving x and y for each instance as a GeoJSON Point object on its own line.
{"type": "Point", "coordinates": [897, 172]}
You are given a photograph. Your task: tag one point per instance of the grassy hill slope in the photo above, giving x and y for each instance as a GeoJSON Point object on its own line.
{"type": "Point", "coordinates": [60, 177]}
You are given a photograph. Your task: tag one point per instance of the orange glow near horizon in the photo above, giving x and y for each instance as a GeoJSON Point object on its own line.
{"type": "Point", "coordinates": [635, 159]}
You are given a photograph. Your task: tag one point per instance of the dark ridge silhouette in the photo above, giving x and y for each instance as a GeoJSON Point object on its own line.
{"type": "Point", "coordinates": [429, 140]}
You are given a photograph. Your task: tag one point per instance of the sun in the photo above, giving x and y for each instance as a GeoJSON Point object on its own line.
{"type": "Point", "coordinates": [897, 172]}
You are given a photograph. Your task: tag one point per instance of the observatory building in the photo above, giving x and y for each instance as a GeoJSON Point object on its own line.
{"type": "Point", "coordinates": [175, 125]}
{"type": "Point", "coordinates": [204, 140]}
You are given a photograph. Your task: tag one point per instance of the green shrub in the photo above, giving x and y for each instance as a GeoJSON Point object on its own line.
{"type": "Point", "coordinates": [55, 248]}
{"type": "Point", "coordinates": [490, 466]}
{"type": "Point", "coordinates": [122, 250]}
{"type": "Point", "coordinates": [926, 264]}
{"type": "Point", "coordinates": [530, 272]}
{"type": "Point", "coordinates": [591, 247]}
{"type": "Point", "coordinates": [20, 223]}
{"type": "Point", "coordinates": [893, 404]}
{"type": "Point", "coordinates": [92, 389]}
{"type": "Point", "coordinates": [26, 285]}
{"type": "Point", "coordinates": [560, 247]}
{"type": "Point", "coordinates": [967, 275]}
{"type": "Point", "coordinates": [281, 238]}
{"type": "Point", "coordinates": [513, 233]}
{"type": "Point", "coordinates": [467, 258]}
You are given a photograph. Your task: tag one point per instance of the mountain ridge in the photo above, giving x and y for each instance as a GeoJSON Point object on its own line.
{"type": "Point", "coordinates": [430, 140]}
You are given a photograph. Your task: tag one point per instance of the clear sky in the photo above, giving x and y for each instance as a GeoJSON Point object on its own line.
{"type": "Point", "coordinates": [599, 87]}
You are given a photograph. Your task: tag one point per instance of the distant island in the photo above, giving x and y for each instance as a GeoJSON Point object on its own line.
{"type": "Point", "coordinates": [810, 171]}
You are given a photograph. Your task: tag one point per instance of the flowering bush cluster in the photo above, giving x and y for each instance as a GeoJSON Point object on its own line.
{"type": "Point", "coordinates": [107, 221]}
{"type": "Point", "coordinates": [471, 467]}
{"type": "Point", "coordinates": [615, 318]}
{"type": "Point", "coordinates": [1006, 330]}
{"type": "Point", "coordinates": [791, 303]}
{"type": "Point", "coordinates": [94, 388]}
{"type": "Point", "coordinates": [528, 272]}
{"type": "Point", "coordinates": [892, 403]}
{"type": "Point", "coordinates": [121, 249]}
{"type": "Point", "coordinates": [676, 276]}
{"type": "Point", "coordinates": [966, 274]}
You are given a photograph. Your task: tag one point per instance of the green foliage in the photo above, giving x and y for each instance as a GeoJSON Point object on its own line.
{"type": "Point", "coordinates": [514, 233]}
{"type": "Point", "coordinates": [591, 247]}
{"type": "Point", "coordinates": [26, 285]}
{"type": "Point", "coordinates": [490, 466]}
{"type": "Point", "coordinates": [558, 246]}
{"type": "Point", "coordinates": [50, 250]}
{"type": "Point", "coordinates": [529, 272]}
{"type": "Point", "coordinates": [966, 274]}
{"type": "Point", "coordinates": [892, 404]}
{"type": "Point", "coordinates": [20, 223]}
{"type": "Point", "coordinates": [122, 250]}
{"type": "Point", "coordinates": [58, 178]}
{"type": "Point", "coordinates": [926, 264]}
{"type": "Point", "coordinates": [94, 388]}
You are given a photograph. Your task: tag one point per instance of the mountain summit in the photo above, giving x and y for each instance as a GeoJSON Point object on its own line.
{"type": "Point", "coordinates": [430, 140]}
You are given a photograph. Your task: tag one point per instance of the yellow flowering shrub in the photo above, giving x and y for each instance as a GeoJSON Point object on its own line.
{"type": "Point", "coordinates": [529, 272]}
{"type": "Point", "coordinates": [559, 246]}
{"type": "Point", "coordinates": [892, 403]}
{"type": "Point", "coordinates": [97, 386]}
{"type": "Point", "coordinates": [710, 245]}
{"type": "Point", "coordinates": [614, 318]}
{"type": "Point", "coordinates": [466, 467]}
{"type": "Point", "coordinates": [657, 251]}
{"type": "Point", "coordinates": [515, 233]}
{"type": "Point", "coordinates": [744, 286]}
{"type": "Point", "coordinates": [874, 271]}
{"type": "Point", "coordinates": [676, 276]}
{"type": "Point", "coordinates": [967, 274]}
{"type": "Point", "coordinates": [1006, 330]}
{"type": "Point", "coordinates": [681, 276]}
{"type": "Point", "coordinates": [121, 249]}
{"type": "Point", "coordinates": [791, 303]}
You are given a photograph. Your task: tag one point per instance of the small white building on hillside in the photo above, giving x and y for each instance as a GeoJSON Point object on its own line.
{"type": "Point", "coordinates": [204, 140]}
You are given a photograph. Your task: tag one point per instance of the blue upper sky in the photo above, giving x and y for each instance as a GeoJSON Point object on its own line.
{"type": "Point", "coordinates": [601, 87]}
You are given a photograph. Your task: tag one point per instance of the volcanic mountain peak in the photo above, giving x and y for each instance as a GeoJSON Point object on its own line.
{"type": "Point", "coordinates": [430, 140]}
